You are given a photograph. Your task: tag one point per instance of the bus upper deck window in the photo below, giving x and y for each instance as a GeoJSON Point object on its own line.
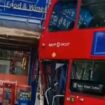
{"type": "Point", "coordinates": [63, 16]}
{"type": "Point", "coordinates": [92, 14]}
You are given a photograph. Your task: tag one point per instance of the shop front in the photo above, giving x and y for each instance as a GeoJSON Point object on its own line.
{"type": "Point", "coordinates": [15, 72]}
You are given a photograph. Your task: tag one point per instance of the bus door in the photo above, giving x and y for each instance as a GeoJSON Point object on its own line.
{"type": "Point", "coordinates": [87, 83]}
{"type": "Point", "coordinates": [55, 79]}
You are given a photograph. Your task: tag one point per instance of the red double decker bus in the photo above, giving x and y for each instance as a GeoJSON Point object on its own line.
{"type": "Point", "coordinates": [72, 53]}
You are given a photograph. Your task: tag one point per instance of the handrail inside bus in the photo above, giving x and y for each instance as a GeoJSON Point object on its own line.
{"type": "Point", "coordinates": [58, 95]}
{"type": "Point", "coordinates": [48, 91]}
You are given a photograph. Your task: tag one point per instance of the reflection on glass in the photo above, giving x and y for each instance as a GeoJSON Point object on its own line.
{"type": "Point", "coordinates": [14, 62]}
{"type": "Point", "coordinates": [94, 15]}
{"type": "Point", "coordinates": [88, 76]}
{"type": "Point", "coordinates": [63, 16]}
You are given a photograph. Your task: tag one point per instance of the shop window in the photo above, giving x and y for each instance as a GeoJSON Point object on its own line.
{"type": "Point", "coordinates": [14, 62]}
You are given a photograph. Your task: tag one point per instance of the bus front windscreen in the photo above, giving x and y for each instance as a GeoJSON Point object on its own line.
{"type": "Point", "coordinates": [88, 77]}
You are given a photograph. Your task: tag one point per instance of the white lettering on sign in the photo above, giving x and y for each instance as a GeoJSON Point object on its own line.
{"type": "Point", "coordinates": [59, 44]}
{"type": "Point", "coordinates": [24, 6]}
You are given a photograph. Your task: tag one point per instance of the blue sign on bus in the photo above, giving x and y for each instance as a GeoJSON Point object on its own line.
{"type": "Point", "coordinates": [99, 43]}
{"type": "Point", "coordinates": [32, 11]}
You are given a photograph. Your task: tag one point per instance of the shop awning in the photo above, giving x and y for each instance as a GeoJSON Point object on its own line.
{"type": "Point", "coordinates": [18, 38]}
